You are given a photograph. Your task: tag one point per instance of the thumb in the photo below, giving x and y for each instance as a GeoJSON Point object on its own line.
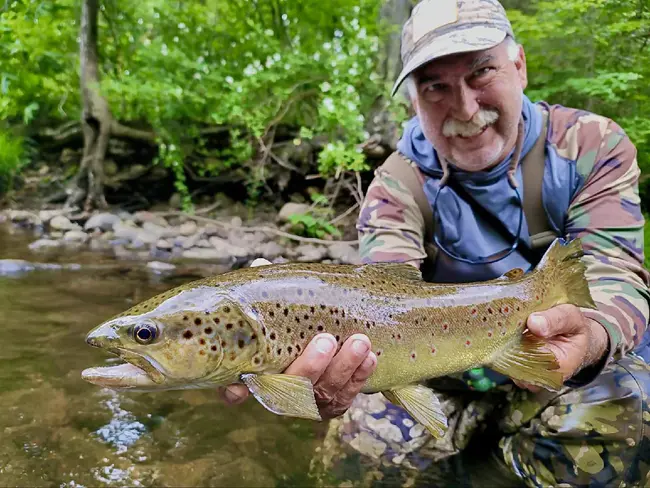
{"type": "Point", "coordinates": [560, 320]}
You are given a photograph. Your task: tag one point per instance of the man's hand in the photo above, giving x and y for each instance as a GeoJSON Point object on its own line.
{"type": "Point", "coordinates": [337, 377]}
{"type": "Point", "coordinates": [576, 340]}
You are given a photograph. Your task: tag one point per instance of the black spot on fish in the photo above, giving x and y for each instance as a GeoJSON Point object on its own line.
{"type": "Point", "coordinates": [240, 323]}
{"type": "Point", "coordinates": [263, 330]}
{"type": "Point", "coordinates": [202, 342]}
{"type": "Point", "coordinates": [241, 343]}
{"type": "Point", "coordinates": [338, 338]}
{"type": "Point", "coordinates": [208, 330]}
{"type": "Point", "coordinates": [198, 321]}
{"type": "Point", "coordinates": [323, 307]}
{"type": "Point", "coordinates": [279, 351]}
{"type": "Point", "coordinates": [272, 336]}
{"type": "Point", "coordinates": [319, 328]}
{"type": "Point", "coordinates": [298, 347]}
{"type": "Point", "coordinates": [256, 360]}
{"type": "Point", "coordinates": [271, 313]}
{"type": "Point", "coordinates": [226, 309]}
{"type": "Point", "coordinates": [306, 317]}
{"type": "Point", "coordinates": [214, 348]}
{"type": "Point", "coordinates": [285, 312]}
{"type": "Point", "coordinates": [216, 320]}
{"type": "Point", "coordinates": [228, 326]}
{"type": "Point", "coordinates": [311, 327]}
{"type": "Point", "coordinates": [187, 334]}
{"type": "Point", "coordinates": [253, 337]}
{"type": "Point", "coordinates": [312, 309]}
{"type": "Point", "coordinates": [302, 335]}
{"type": "Point", "coordinates": [277, 305]}
{"type": "Point", "coordinates": [223, 343]}
{"type": "Point", "coordinates": [185, 317]}
{"type": "Point", "coordinates": [338, 322]}
{"type": "Point", "coordinates": [297, 320]}
{"type": "Point", "coordinates": [288, 330]}
{"type": "Point", "coordinates": [289, 349]}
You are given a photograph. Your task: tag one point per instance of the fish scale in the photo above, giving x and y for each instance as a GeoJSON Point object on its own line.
{"type": "Point", "coordinates": [249, 325]}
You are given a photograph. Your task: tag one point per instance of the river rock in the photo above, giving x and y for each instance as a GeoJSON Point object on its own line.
{"type": "Point", "coordinates": [122, 230]}
{"type": "Point", "coordinates": [344, 253]}
{"type": "Point", "coordinates": [310, 253]}
{"type": "Point", "coordinates": [236, 222]}
{"type": "Point", "coordinates": [160, 267]}
{"type": "Point", "coordinates": [47, 215]}
{"type": "Point", "coordinates": [44, 244]}
{"type": "Point", "coordinates": [290, 209]}
{"type": "Point", "coordinates": [191, 241]}
{"type": "Point", "coordinates": [63, 223]}
{"type": "Point", "coordinates": [270, 250]}
{"type": "Point", "coordinates": [103, 221]}
{"type": "Point", "coordinates": [143, 217]}
{"type": "Point", "coordinates": [164, 245]}
{"type": "Point", "coordinates": [151, 232]}
{"type": "Point", "coordinates": [207, 254]}
{"type": "Point", "coordinates": [188, 228]}
{"type": "Point", "coordinates": [203, 243]}
{"type": "Point", "coordinates": [75, 236]}
{"type": "Point", "coordinates": [236, 251]}
{"type": "Point", "coordinates": [24, 217]}
{"type": "Point", "coordinates": [99, 244]}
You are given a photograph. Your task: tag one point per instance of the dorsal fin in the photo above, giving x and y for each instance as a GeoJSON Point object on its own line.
{"type": "Point", "coordinates": [402, 270]}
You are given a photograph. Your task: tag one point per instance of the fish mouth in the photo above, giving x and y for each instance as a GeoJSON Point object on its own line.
{"type": "Point", "coordinates": [136, 373]}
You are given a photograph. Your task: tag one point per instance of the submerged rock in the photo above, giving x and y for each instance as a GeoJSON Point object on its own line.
{"type": "Point", "coordinates": [103, 221]}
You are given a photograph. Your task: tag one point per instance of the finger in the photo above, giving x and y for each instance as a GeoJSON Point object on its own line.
{"type": "Point", "coordinates": [560, 320]}
{"type": "Point", "coordinates": [260, 262]}
{"type": "Point", "coordinates": [339, 372]}
{"type": "Point", "coordinates": [346, 395]}
{"type": "Point", "coordinates": [233, 394]}
{"type": "Point", "coordinates": [315, 358]}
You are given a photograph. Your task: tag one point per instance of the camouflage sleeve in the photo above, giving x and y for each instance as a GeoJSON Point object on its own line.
{"type": "Point", "coordinates": [390, 224]}
{"type": "Point", "coordinates": [606, 214]}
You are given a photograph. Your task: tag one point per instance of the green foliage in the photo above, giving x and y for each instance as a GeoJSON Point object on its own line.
{"type": "Point", "coordinates": [12, 157]}
{"type": "Point", "coordinates": [310, 226]}
{"type": "Point", "coordinates": [591, 54]}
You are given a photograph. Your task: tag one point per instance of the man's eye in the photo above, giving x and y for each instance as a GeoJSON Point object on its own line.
{"type": "Point", "coordinates": [433, 87]}
{"type": "Point", "coordinates": [482, 71]}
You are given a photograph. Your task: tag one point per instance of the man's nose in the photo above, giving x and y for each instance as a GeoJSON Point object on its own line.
{"type": "Point", "coordinates": [465, 103]}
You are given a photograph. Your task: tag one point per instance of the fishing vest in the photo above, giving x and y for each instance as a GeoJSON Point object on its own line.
{"type": "Point", "coordinates": [532, 168]}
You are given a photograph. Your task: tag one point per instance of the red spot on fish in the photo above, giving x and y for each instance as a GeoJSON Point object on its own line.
{"type": "Point", "coordinates": [505, 309]}
{"type": "Point", "coordinates": [378, 353]}
{"type": "Point", "coordinates": [537, 297]}
{"type": "Point", "coordinates": [202, 352]}
{"type": "Point", "coordinates": [433, 350]}
{"type": "Point", "coordinates": [399, 337]}
{"type": "Point", "coordinates": [468, 343]}
{"type": "Point", "coordinates": [413, 355]}
{"type": "Point", "coordinates": [474, 311]}
{"type": "Point", "coordinates": [445, 326]}
{"type": "Point", "coordinates": [202, 342]}
{"type": "Point", "coordinates": [489, 333]}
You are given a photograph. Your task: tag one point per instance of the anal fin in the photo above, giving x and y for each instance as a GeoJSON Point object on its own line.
{"type": "Point", "coordinates": [284, 394]}
{"type": "Point", "coordinates": [422, 404]}
{"type": "Point", "coordinates": [526, 360]}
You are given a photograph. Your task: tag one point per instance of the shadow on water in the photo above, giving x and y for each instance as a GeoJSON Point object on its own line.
{"type": "Point", "coordinates": [57, 430]}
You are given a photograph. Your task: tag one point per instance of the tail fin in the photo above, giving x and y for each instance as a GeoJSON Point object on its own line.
{"type": "Point", "coordinates": [564, 273]}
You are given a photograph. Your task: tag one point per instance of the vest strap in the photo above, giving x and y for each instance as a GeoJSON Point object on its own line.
{"type": "Point", "coordinates": [532, 167]}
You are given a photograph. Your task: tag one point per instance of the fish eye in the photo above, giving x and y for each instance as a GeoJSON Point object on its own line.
{"type": "Point", "coordinates": [145, 333]}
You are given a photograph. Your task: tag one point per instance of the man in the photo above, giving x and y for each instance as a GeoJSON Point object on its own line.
{"type": "Point", "coordinates": [465, 78]}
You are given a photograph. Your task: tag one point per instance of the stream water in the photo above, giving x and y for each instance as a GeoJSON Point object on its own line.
{"type": "Point", "coordinates": [57, 430]}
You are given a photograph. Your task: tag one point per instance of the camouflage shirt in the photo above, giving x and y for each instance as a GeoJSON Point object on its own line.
{"type": "Point", "coordinates": [605, 213]}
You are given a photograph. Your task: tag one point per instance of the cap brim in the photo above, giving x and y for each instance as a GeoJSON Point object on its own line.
{"type": "Point", "coordinates": [466, 40]}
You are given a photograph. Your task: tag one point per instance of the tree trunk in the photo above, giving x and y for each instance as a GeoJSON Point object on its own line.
{"type": "Point", "coordinates": [384, 132]}
{"type": "Point", "coordinates": [96, 118]}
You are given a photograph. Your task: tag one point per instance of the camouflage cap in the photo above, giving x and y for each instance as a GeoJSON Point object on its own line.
{"type": "Point", "coordinates": [438, 28]}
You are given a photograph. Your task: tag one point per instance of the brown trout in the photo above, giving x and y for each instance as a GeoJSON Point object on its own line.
{"type": "Point", "coordinates": [247, 326]}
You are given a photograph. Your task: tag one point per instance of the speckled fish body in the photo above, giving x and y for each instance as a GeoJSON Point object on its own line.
{"type": "Point", "coordinates": [253, 322]}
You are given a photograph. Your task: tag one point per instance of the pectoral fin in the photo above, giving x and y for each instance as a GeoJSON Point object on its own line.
{"type": "Point", "coordinates": [527, 360]}
{"type": "Point", "coordinates": [284, 394]}
{"type": "Point", "coordinates": [422, 404]}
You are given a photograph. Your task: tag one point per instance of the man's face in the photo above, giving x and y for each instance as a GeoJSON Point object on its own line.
{"type": "Point", "coordinates": [469, 105]}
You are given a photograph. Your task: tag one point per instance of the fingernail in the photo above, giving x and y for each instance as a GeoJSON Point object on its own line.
{"type": "Point", "coordinates": [360, 347]}
{"type": "Point", "coordinates": [370, 361]}
{"type": "Point", "coordinates": [231, 396]}
{"type": "Point", "coordinates": [325, 345]}
{"type": "Point", "coordinates": [540, 323]}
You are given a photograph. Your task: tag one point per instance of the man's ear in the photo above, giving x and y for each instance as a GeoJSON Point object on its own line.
{"type": "Point", "coordinates": [520, 64]}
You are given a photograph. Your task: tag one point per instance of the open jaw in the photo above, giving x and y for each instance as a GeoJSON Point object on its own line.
{"type": "Point", "coordinates": [137, 373]}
